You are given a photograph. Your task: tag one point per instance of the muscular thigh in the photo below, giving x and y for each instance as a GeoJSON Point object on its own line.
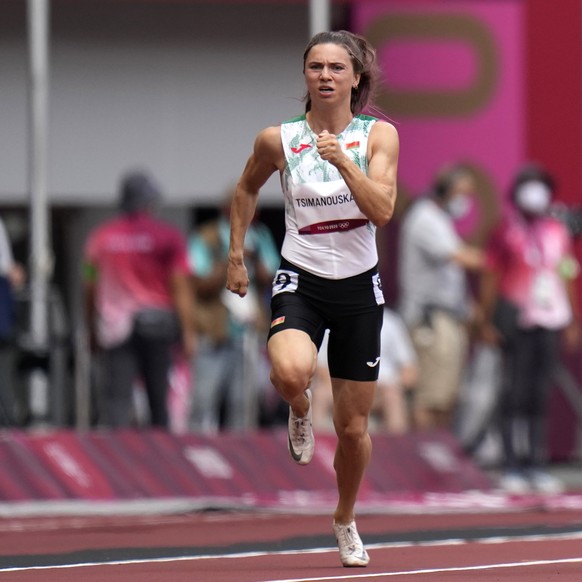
{"type": "Point", "coordinates": [352, 401]}
{"type": "Point", "coordinates": [292, 352]}
{"type": "Point", "coordinates": [352, 310]}
{"type": "Point", "coordinates": [354, 346]}
{"type": "Point", "coordinates": [291, 311]}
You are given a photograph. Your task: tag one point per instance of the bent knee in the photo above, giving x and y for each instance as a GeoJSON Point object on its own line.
{"type": "Point", "coordinates": [352, 431]}
{"type": "Point", "coordinates": [289, 377]}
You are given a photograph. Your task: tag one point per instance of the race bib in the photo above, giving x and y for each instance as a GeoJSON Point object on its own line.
{"type": "Point", "coordinates": [285, 282]}
{"type": "Point", "coordinates": [324, 207]}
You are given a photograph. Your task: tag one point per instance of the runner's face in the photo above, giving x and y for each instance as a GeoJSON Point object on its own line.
{"type": "Point", "coordinates": [329, 74]}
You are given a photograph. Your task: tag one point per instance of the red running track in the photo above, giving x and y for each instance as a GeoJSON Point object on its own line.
{"type": "Point", "coordinates": [261, 547]}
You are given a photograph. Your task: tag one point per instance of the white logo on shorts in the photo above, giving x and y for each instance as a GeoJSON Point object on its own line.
{"type": "Point", "coordinates": [374, 364]}
{"type": "Point", "coordinates": [378, 295]}
{"type": "Point", "coordinates": [285, 281]}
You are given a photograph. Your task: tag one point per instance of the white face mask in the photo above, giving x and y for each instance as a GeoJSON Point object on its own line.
{"type": "Point", "coordinates": [533, 197]}
{"type": "Point", "coordinates": [458, 206]}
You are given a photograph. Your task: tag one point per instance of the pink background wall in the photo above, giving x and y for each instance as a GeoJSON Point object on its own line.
{"type": "Point", "coordinates": [532, 112]}
{"type": "Point", "coordinates": [427, 64]}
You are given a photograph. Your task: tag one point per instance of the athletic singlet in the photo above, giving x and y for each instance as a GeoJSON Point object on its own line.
{"type": "Point", "coordinates": [326, 233]}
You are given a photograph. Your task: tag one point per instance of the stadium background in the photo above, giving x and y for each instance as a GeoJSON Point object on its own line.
{"type": "Point", "coordinates": [181, 87]}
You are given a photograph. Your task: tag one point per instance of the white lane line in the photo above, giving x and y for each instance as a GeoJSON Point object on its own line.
{"type": "Point", "coordinates": [436, 570]}
{"type": "Point", "coordinates": [258, 554]}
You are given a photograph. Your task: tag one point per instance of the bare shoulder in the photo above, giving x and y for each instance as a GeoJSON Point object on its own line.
{"type": "Point", "coordinates": [383, 131]}
{"type": "Point", "coordinates": [383, 140]}
{"type": "Point", "coordinates": [267, 157]}
{"type": "Point", "coordinates": [268, 141]}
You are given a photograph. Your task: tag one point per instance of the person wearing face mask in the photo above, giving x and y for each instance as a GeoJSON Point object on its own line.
{"type": "Point", "coordinates": [528, 297]}
{"type": "Point", "coordinates": [434, 299]}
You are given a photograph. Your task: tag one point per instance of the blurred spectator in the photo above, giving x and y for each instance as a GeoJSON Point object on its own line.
{"type": "Point", "coordinates": [397, 378]}
{"type": "Point", "coordinates": [322, 399]}
{"type": "Point", "coordinates": [477, 407]}
{"type": "Point", "coordinates": [231, 329]}
{"type": "Point", "coordinates": [528, 297]}
{"type": "Point", "coordinates": [139, 302]}
{"type": "Point", "coordinates": [398, 374]}
{"type": "Point", "coordinates": [12, 277]}
{"type": "Point", "coordinates": [435, 301]}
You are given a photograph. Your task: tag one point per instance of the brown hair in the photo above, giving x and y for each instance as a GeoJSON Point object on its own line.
{"type": "Point", "coordinates": [447, 177]}
{"type": "Point", "coordinates": [363, 57]}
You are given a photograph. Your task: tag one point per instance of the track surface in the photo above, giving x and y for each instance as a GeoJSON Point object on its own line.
{"type": "Point", "coordinates": [261, 547]}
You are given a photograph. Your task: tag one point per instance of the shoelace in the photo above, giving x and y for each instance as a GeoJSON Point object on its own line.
{"type": "Point", "coordinates": [300, 429]}
{"type": "Point", "coordinates": [349, 539]}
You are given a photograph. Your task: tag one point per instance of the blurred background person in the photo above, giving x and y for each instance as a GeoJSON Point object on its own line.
{"type": "Point", "coordinates": [322, 399]}
{"type": "Point", "coordinates": [12, 278]}
{"type": "Point", "coordinates": [139, 302]}
{"type": "Point", "coordinates": [434, 296]}
{"type": "Point", "coordinates": [398, 375]}
{"type": "Point", "coordinates": [397, 378]}
{"type": "Point", "coordinates": [231, 330]}
{"type": "Point", "coordinates": [528, 298]}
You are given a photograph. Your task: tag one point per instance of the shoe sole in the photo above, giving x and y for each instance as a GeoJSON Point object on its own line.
{"type": "Point", "coordinates": [358, 564]}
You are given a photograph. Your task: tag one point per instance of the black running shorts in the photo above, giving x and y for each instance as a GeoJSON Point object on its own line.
{"type": "Point", "coordinates": [351, 308]}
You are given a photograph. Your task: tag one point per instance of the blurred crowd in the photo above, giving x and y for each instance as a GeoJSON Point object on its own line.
{"type": "Point", "coordinates": [471, 344]}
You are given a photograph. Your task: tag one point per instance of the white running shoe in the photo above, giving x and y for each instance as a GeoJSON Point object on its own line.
{"type": "Point", "coordinates": [543, 482]}
{"type": "Point", "coordinates": [352, 551]}
{"type": "Point", "coordinates": [515, 483]}
{"type": "Point", "coordinates": [301, 442]}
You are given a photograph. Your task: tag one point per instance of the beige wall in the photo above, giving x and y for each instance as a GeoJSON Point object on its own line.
{"type": "Point", "coordinates": [179, 87]}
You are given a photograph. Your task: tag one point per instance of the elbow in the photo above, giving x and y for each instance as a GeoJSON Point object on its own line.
{"type": "Point", "coordinates": [384, 218]}
{"type": "Point", "coordinates": [386, 211]}
{"type": "Point", "coordinates": [384, 215]}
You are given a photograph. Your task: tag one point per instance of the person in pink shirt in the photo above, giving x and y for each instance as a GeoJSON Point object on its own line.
{"type": "Point", "coordinates": [139, 301]}
{"type": "Point", "coordinates": [528, 300]}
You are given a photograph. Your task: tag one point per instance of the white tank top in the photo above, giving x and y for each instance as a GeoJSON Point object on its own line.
{"type": "Point", "coordinates": [326, 233]}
